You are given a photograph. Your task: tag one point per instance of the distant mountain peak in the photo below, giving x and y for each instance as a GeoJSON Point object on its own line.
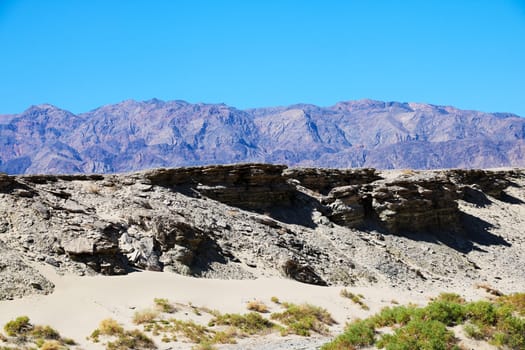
{"type": "Point", "coordinates": [42, 106]}
{"type": "Point", "coordinates": [133, 135]}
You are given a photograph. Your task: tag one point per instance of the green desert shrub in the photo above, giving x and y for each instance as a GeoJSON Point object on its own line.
{"type": "Point", "coordinates": [449, 313]}
{"type": "Point", "coordinates": [357, 334]}
{"type": "Point", "coordinates": [498, 322]}
{"type": "Point", "coordinates": [18, 326]}
{"type": "Point", "coordinates": [419, 334]}
{"type": "Point", "coordinates": [481, 313]}
{"type": "Point", "coordinates": [516, 300]}
{"type": "Point", "coordinates": [450, 297]}
{"type": "Point", "coordinates": [390, 316]}
{"type": "Point", "coordinates": [510, 333]}
{"type": "Point", "coordinates": [164, 305]}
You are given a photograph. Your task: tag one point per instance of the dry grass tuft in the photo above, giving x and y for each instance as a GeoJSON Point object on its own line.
{"type": "Point", "coordinates": [163, 305]}
{"type": "Point", "coordinates": [145, 316]}
{"type": "Point", "coordinates": [257, 305]}
{"type": "Point", "coordinates": [356, 298]}
{"type": "Point", "coordinates": [110, 327]}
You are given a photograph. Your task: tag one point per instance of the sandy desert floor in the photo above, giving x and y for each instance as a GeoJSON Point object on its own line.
{"type": "Point", "coordinates": [80, 303]}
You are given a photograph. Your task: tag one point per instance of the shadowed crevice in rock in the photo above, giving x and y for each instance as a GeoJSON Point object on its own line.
{"type": "Point", "coordinates": [507, 198]}
{"type": "Point", "coordinates": [206, 255]}
{"type": "Point", "coordinates": [476, 197]}
{"type": "Point", "coordinates": [478, 231]}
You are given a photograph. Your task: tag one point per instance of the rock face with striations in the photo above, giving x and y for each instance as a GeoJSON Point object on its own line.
{"type": "Point", "coordinates": [318, 226]}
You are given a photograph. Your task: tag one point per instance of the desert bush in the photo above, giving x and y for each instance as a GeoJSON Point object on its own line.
{"type": "Point", "coordinates": [18, 326]}
{"type": "Point", "coordinates": [44, 332]}
{"type": "Point", "coordinates": [450, 298]}
{"type": "Point", "coordinates": [419, 334]}
{"type": "Point", "coordinates": [510, 332]}
{"type": "Point", "coordinates": [95, 336]}
{"type": "Point", "coordinates": [301, 319]}
{"type": "Point", "coordinates": [109, 326]}
{"type": "Point", "coordinates": [256, 305]}
{"type": "Point", "coordinates": [133, 339]}
{"type": "Point", "coordinates": [358, 333]}
{"type": "Point", "coordinates": [426, 327]}
{"type": "Point", "coordinates": [481, 312]}
{"type": "Point", "coordinates": [446, 312]}
{"type": "Point", "coordinates": [164, 305]}
{"type": "Point", "coordinates": [390, 316]}
{"type": "Point", "coordinates": [517, 301]}
{"type": "Point", "coordinates": [275, 300]}
{"type": "Point", "coordinates": [250, 323]}
{"type": "Point", "coordinates": [144, 316]}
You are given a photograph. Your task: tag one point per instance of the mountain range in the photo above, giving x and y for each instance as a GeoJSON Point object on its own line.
{"type": "Point", "coordinates": [134, 135]}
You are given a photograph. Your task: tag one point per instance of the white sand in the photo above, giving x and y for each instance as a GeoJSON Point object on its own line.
{"type": "Point", "coordinates": [80, 303]}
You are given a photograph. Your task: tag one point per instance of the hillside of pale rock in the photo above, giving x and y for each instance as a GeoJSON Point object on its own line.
{"type": "Point", "coordinates": [357, 227]}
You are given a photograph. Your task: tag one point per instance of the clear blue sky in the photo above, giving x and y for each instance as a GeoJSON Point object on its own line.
{"type": "Point", "coordinates": [79, 55]}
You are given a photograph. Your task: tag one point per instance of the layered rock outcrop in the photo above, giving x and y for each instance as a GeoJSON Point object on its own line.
{"type": "Point", "coordinates": [319, 226]}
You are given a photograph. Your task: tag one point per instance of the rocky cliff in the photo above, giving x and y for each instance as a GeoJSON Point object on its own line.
{"type": "Point", "coordinates": [319, 226]}
{"type": "Point", "coordinates": [131, 136]}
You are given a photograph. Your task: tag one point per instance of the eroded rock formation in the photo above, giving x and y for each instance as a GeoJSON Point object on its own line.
{"type": "Point", "coordinates": [319, 226]}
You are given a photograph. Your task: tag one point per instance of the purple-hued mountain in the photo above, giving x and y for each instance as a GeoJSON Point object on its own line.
{"type": "Point", "coordinates": [135, 135]}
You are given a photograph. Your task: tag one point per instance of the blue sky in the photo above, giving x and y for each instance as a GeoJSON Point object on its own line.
{"type": "Point", "coordinates": [79, 55]}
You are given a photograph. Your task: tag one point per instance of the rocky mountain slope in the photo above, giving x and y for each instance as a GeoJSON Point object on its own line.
{"type": "Point", "coordinates": [132, 135]}
{"type": "Point", "coordinates": [410, 229]}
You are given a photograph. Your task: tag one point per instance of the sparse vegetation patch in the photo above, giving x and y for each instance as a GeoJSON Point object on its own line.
{"type": "Point", "coordinates": [500, 322]}
{"type": "Point", "coordinates": [304, 318]}
{"type": "Point", "coordinates": [256, 305]}
{"type": "Point", "coordinates": [163, 305]}
{"type": "Point", "coordinates": [356, 298]}
{"type": "Point", "coordinates": [21, 331]}
{"type": "Point", "coordinates": [120, 339]}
